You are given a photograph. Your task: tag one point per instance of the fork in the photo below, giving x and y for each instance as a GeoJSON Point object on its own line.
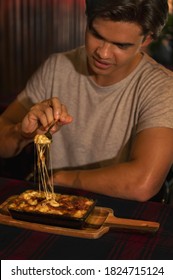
{"type": "Point", "coordinates": [47, 133]}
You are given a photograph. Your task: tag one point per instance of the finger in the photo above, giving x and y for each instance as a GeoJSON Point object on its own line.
{"type": "Point", "coordinates": [56, 111]}
{"type": "Point", "coordinates": [65, 117]}
{"type": "Point", "coordinates": [57, 107]}
{"type": "Point", "coordinates": [47, 115]}
{"type": "Point", "coordinates": [42, 114]}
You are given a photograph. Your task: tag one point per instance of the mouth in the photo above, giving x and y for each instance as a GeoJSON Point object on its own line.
{"type": "Point", "coordinates": [101, 64]}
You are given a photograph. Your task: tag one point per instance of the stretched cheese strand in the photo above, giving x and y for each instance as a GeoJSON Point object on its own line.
{"type": "Point", "coordinates": [42, 144]}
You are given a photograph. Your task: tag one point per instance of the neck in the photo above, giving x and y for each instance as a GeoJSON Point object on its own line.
{"type": "Point", "coordinates": [118, 75]}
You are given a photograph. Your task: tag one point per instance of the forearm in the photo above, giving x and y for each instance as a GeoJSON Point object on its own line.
{"type": "Point", "coordinates": [12, 141]}
{"type": "Point", "coordinates": [123, 181]}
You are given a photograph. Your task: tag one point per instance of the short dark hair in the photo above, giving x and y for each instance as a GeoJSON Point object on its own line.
{"type": "Point", "coordinates": [150, 15]}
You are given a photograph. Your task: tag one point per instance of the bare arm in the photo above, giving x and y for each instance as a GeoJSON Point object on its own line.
{"type": "Point", "coordinates": [19, 126]}
{"type": "Point", "coordinates": [139, 179]}
{"type": "Point", "coordinates": [11, 138]}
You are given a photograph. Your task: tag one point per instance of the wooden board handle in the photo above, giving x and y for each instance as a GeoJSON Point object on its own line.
{"type": "Point", "coordinates": [113, 221]}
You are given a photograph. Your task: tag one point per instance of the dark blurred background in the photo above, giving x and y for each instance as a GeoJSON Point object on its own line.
{"type": "Point", "coordinates": [162, 49]}
{"type": "Point", "coordinates": [30, 30]}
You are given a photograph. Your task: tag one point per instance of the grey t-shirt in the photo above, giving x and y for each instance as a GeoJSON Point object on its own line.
{"type": "Point", "coordinates": [105, 118]}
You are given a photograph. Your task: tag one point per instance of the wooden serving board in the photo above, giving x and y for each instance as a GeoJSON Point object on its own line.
{"type": "Point", "coordinates": [105, 217]}
{"type": "Point", "coordinates": [97, 224]}
{"type": "Point", "coordinates": [82, 233]}
{"type": "Point", "coordinates": [87, 232]}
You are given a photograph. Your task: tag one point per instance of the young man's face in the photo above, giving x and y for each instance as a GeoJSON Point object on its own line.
{"type": "Point", "coordinates": [113, 49]}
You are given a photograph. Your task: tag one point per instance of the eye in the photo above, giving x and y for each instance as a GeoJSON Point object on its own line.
{"type": "Point", "coordinates": [123, 46]}
{"type": "Point", "coordinates": [95, 34]}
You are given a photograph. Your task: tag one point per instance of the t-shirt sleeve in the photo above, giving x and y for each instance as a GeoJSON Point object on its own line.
{"type": "Point", "coordinates": [156, 108]}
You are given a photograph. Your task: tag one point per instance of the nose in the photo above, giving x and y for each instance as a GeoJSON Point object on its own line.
{"type": "Point", "coordinates": [104, 50]}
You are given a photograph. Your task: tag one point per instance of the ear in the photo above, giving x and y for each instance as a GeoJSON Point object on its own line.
{"type": "Point", "coordinates": [147, 40]}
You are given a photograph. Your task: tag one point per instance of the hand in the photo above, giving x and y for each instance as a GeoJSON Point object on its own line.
{"type": "Point", "coordinates": [41, 115]}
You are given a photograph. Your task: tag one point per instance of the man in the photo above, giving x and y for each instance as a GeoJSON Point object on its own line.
{"type": "Point", "coordinates": [116, 100]}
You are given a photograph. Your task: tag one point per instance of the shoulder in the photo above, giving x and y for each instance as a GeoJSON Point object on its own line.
{"type": "Point", "coordinates": [63, 59]}
{"type": "Point", "coordinates": [152, 78]}
{"type": "Point", "coordinates": [154, 70]}
{"type": "Point", "coordinates": [58, 64]}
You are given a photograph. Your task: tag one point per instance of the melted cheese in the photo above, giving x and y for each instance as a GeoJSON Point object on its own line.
{"type": "Point", "coordinates": [41, 139]}
{"type": "Point", "coordinates": [42, 144]}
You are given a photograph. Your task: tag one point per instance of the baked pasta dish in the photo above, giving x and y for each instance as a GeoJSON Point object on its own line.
{"type": "Point", "coordinates": [32, 201]}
